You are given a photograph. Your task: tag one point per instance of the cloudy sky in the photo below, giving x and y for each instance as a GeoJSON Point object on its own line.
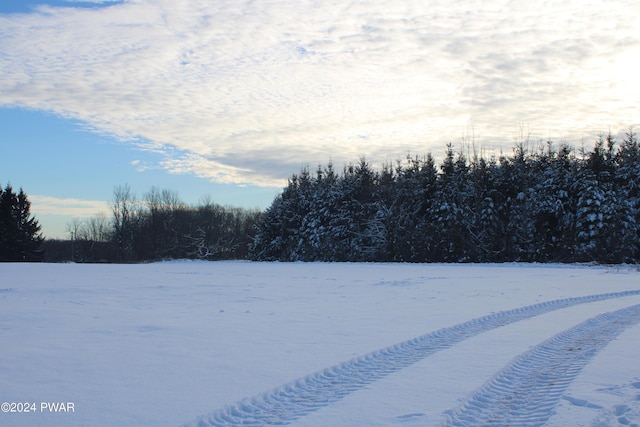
{"type": "Point", "coordinates": [229, 98]}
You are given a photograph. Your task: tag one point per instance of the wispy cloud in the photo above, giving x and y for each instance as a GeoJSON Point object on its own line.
{"type": "Point", "coordinates": [246, 92]}
{"type": "Point", "coordinates": [47, 205]}
{"type": "Point", "coordinates": [94, 1]}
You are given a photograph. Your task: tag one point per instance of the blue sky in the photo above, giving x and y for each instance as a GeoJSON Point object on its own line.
{"type": "Point", "coordinates": [70, 172]}
{"type": "Point", "coordinates": [229, 98]}
{"type": "Point", "coordinates": [27, 6]}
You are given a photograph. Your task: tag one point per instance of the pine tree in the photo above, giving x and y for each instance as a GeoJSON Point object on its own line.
{"type": "Point", "coordinates": [20, 236]}
{"type": "Point", "coordinates": [552, 210]}
{"type": "Point", "coordinates": [627, 179]}
{"type": "Point", "coordinates": [316, 224]}
{"type": "Point", "coordinates": [485, 227]}
{"type": "Point", "coordinates": [547, 206]}
{"type": "Point", "coordinates": [278, 235]}
{"type": "Point", "coordinates": [450, 213]}
{"type": "Point", "coordinates": [415, 184]}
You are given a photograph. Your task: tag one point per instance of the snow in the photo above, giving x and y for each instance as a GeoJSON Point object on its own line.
{"type": "Point", "coordinates": [313, 344]}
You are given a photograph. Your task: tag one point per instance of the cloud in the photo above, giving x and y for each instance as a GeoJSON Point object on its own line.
{"type": "Point", "coordinates": [216, 171]}
{"type": "Point", "coordinates": [94, 1]}
{"type": "Point", "coordinates": [47, 205]}
{"type": "Point", "coordinates": [246, 92]}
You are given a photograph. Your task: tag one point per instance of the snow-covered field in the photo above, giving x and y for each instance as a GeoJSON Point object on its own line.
{"type": "Point", "coordinates": [227, 343]}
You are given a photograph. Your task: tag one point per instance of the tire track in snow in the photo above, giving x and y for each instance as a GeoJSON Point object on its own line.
{"type": "Point", "coordinates": [526, 392]}
{"type": "Point", "coordinates": [286, 403]}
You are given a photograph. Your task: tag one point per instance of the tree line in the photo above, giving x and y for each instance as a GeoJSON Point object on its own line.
{"type": "Point", "coordinates": [547, 205]}
{"type": "Point", "coordinates": [159, 226]}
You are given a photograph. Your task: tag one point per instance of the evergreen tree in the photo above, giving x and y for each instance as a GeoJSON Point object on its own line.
{"type": "Point", "coordinates": [547, 206]}
{"type": "Point", "coordinates": [485, 227]}
{"type": "Point", "coordinates": [316, 228]}
{"type": "Point", "coordinates": [552, 212]}
{"type": "Point", "coordinates": [627, 181]}
{"type": "Point", "coordinates": [278, 233]}
{"type": "Point", "coordinates": [20, 236]}
{"type": "Point", "coordinates": [450, 212]}
{"type": "Point", "coordinates": [412, 198]}
{"type": "Point", "coordinates": [365, 230]}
